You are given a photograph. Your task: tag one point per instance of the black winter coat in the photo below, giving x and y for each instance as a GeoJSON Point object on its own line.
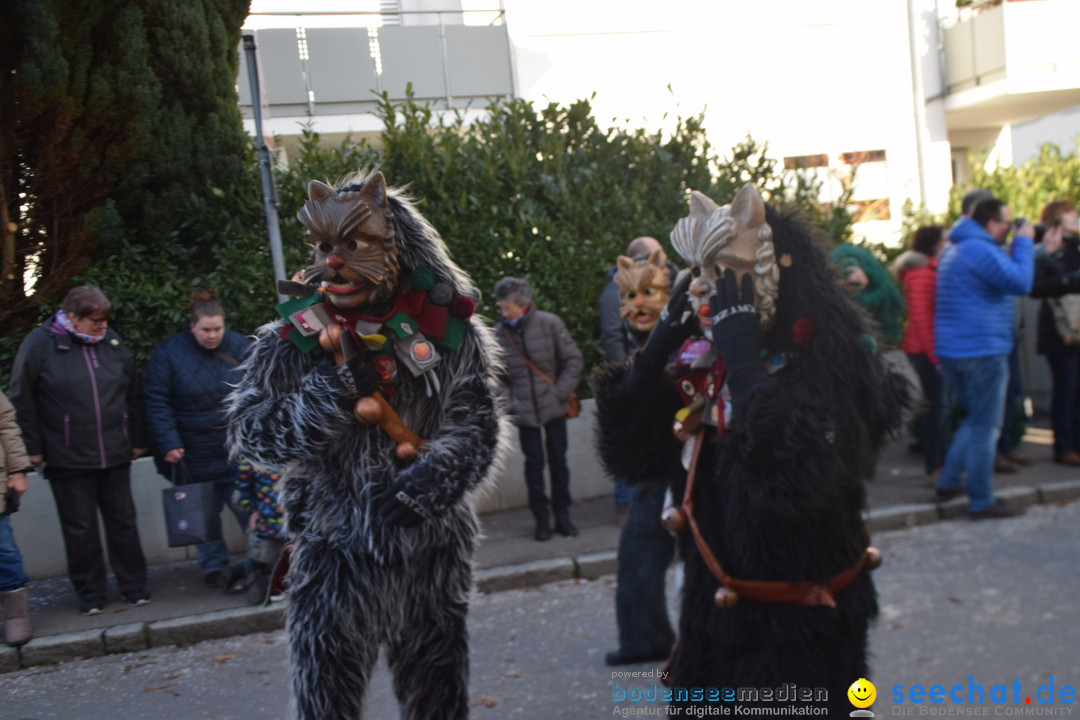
{"type": "Point", "coordinates": [78, 404]}
{"type": "Point", "coordinates": [1055, 275]}
{"type": "Point", "coordinates": [185, 387]}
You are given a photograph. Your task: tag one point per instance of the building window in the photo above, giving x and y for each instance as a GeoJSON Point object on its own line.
{"type": "Point", "coordinates": [800, 162]}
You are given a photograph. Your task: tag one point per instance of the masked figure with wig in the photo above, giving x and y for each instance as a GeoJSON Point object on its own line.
{"type": "Point", "coordinates": [762, 426]}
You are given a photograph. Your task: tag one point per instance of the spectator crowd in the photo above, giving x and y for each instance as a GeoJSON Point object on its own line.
{"type": "Point", "coordinates": [80, 412]}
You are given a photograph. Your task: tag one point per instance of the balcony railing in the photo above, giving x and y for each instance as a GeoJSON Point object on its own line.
{"type": "Point", "coordinates": [312, 71]}
{"type": "Point", "coordinates": [1031, 42]}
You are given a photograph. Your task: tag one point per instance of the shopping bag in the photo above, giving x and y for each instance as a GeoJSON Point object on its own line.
{"type": "Point", "coordinates": [190, 517]}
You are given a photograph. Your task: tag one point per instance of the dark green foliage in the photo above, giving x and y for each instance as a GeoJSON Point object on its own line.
{"type": "Point", "coordinates": [539, 193]}
{"type": "Point", "coordinates": [1051, 175]}
{"type": "Point", "coordinates": [117, 119]}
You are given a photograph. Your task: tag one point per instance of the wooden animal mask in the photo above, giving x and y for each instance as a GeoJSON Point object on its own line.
{"type": "Point", "coordinates": [644, 289]}
{"type": "Point", "coordinates": [352, 234]}
{"type": "Point", "coordinates": [735, 237]}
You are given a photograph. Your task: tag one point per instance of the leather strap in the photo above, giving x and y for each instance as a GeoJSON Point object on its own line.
{"type": "Point", "coordinates": [528, 362]}
{"type": "Point", "coordinates": [227, 358]}
{"type": "Point", "coordinates": [797, 593]}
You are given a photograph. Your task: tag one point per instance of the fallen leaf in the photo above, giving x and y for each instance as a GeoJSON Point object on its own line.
{"type": "Point", "coordinates": [956, 600]}
{"type": "Point", "coordinates": [173, 676]}
{"type": "Point", "coordinates": [149, 688]}
{"type": "Point", "coordinates": [223, 658]}
{"type": "Point", "coordinates": [486, 702]}
{"type": "Point", "coordinates": [512, 675]}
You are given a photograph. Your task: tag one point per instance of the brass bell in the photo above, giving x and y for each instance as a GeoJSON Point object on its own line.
{"type": "Point", "coordinates": [367, 410]}
{"type": "Point", "coordinates": [873, 558]}
{"type": "Point", "coordinates": [673, 518]}
{"type": "Point", "coordinates": [725, 598]}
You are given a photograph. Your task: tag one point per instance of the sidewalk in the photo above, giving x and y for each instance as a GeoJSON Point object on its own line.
{"type": "Point", "coordinates": [183, 611]}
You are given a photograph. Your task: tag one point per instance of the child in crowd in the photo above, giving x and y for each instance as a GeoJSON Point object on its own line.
{"type": "Point", "coordinates": [256, 492]}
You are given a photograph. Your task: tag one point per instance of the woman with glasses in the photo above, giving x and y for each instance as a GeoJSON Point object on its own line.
{"type": "Point", "coordinates": [76, 395]}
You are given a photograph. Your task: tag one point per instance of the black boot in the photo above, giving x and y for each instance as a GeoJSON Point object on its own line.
{"type": "Point", "coordinates": [564, 527]}
{"type": "Point", "coordinates": [543, 528]}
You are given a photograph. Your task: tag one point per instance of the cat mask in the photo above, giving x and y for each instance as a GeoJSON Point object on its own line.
{"type": "Point", "coordinates": [643, 288]}
{"type": "Point", "coordinates": [352, 236]}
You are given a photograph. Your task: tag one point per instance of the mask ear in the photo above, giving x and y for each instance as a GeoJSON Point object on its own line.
{"type": "Point", "coordinates": [375, 191]}
{"type": "Point", "coordinates": [624, 263]}
{"type": "Point", "coordinates": [701, 205]}
{"type": "Point", "coordinates": [658, 258]}
{"type": "Point", "coordinates": [748, 209]}
{"type": "Point", "coordinates": [319, 191]}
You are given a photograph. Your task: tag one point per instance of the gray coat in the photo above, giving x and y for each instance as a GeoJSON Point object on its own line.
{"type": "Point", "coordinates": [543, 338]}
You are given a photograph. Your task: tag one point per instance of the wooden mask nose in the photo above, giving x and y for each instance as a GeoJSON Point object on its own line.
{"type": "Point", "coordinates": [334, 261]}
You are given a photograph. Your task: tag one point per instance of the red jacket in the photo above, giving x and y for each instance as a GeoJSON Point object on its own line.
{"type": "Point", "coordinates": [918, 277]}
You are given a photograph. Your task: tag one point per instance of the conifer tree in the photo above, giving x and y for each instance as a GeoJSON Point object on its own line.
{"type": "Point", "coordinates": [113, 115]}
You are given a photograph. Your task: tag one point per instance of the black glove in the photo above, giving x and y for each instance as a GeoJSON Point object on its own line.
{"type": "Point", "coordinates": [736, 327]}
{"type": "Point", "coordinates": [355, 379]}
{"type": "Point", "coordinates": [737, 338]}
{"type": "Point", "coordinates": [668, 335]}
{"type": "Point", "coordinates": [396, 505]}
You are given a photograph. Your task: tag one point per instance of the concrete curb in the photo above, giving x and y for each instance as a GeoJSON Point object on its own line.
{"type": "Point", "coordinates": [134, 637]}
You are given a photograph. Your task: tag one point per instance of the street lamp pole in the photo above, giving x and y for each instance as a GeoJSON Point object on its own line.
{"type": "Point", "coordinates": [266, 171]}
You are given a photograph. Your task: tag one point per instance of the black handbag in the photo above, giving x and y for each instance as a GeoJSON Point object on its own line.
{"type": "Point", "coordinates": [190, 515]}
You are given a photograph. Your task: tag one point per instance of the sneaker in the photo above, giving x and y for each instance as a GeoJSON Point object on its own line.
{"type": "Point", "coordinates": [1070, 458]}
{"type": "Point", "coordinates": [1017, 459]}
{"type": "Point", "coordinates": [1003, 464]}
{"type": "Point", "coordinates": [946, 495]}
{"type": "Point", "coordinates": [91, 607]}
{"type": "Point", "coordinates": [235, 579]}
{"type": "Point", "coordinates": [997, 510]}
{"type": "Point", "coordinates": [137, 597]}
{"type": "Point", "coordinates": [256, 592]}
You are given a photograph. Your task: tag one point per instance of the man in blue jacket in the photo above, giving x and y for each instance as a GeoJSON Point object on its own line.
{"type": "Point", "coordinates": [973, 337]}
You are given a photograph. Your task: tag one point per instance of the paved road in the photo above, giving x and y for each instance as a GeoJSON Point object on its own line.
{"type": "Point", "coordinates": [995, 601]}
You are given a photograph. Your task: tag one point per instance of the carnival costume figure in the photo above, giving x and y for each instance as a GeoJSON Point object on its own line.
{"type": "Point", "coordinates": [375, 395]}
{"type": "Point", "coordinates": [763, 426]}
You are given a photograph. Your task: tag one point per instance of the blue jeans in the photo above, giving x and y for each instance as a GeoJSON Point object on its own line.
{"type": "Point", "coordinates": [979, 384]}
{"type": "Point", "coordinates": [214, 555]}
{"type": "Point", "coordinates": [622, 494]}
{"type": "Point", "coordinates": [12, 576]}
{"type": "Point", "coordinates": [555, 442]}
{"type": "Point", "coordinates": [1065, 401]}
{"type": "Point", "coordinates": [1014, 388]}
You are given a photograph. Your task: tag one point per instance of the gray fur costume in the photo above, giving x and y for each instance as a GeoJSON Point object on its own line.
{"type": "Point", "coordinates": [356, 582]}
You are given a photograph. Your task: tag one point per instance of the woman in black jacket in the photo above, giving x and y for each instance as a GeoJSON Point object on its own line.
{"type": "Point", "coordinates": [76, 394]}
{"type": "Point", "coordinates": [187, 379]}
{"type": "Point", "coordinates": [1057, 277]}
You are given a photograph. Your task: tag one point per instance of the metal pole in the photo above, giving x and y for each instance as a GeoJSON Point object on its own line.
{"type": "Point", "coordinates": [266, 170]}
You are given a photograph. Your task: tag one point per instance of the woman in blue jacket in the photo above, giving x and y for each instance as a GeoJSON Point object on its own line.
{"type": "Point", "coordinates": [187, 379]}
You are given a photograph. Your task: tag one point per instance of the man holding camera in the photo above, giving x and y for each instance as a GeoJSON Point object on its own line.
{"type": "Point", "coordinates": [973, 337]}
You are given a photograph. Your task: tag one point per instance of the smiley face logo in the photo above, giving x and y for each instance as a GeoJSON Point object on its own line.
{"type": "Point", "coordinates": [862, 693]}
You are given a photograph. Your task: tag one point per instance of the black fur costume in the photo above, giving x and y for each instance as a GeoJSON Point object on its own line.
{"type": "Point", "coordinates": [356, 583]}
{"type": "Point", "coordinates": [779, 496]}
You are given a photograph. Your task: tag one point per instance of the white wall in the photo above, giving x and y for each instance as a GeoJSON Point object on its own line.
{"type": "Point", "coordinates": [1062, 128]}
{"type": "Point", "coordinates": [807, 78]}
{"type": "Point", "coordinates": [37, 529]}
